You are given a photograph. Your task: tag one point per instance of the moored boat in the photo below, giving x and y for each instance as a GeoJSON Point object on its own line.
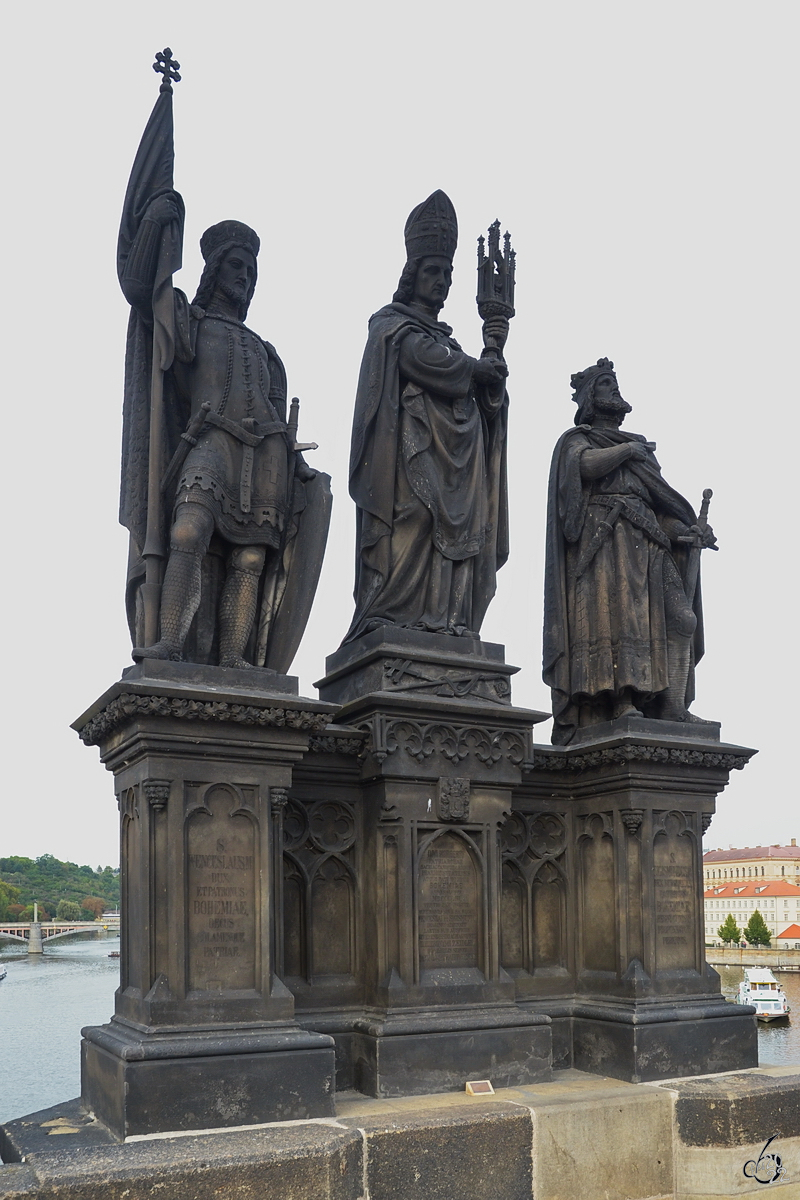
{"type": "Point", "coordinates": [761, 989]}
{"type": "Point", "coordinates": [3, 971]}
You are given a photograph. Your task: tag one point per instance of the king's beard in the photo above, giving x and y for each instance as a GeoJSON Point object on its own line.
{"type": "Point", "coordinates": [234, 296]}
{"type": "Point", "coordinates": [614, 408]}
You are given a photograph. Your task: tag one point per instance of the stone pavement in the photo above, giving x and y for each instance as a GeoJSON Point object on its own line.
{"type": "Point", "coordinates": [580, 1137]}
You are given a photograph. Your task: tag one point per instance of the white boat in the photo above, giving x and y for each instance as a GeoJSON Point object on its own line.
{"type": "Point", "coordinates": [761, 989]}
{"type": "Point", "coordinates": [3, 971]}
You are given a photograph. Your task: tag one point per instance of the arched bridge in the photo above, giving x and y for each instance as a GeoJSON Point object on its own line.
{"type": "Point", "coordinates": [32, 934]}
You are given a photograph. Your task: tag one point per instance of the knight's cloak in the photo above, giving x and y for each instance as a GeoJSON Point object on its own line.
{"type": "Point", "coordinates": [162, 319]}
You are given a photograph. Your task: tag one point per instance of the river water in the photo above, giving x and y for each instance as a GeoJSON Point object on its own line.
{"type": "Point", "coordinates": [45, 1000]}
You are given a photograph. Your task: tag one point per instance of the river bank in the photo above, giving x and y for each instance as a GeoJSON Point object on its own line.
{"type": "Point", "coordinates": [46, 999]}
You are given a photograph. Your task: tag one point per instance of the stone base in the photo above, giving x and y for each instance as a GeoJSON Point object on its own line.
{"type": "Point", "coordinates": [649, 1043]}
{"type": "Point", "coordinates": [399, 661]}
{"type": "Point", "coordinates": [211, 678]}
{"type": "Point", "coordinates": [648, 727]}
{"type": "Point", "coordinates": [388, 1062]}
{"type": "Point", "coordinates": [141, 1085]}
{"type": "Point", "coordinates": [573, 1139]}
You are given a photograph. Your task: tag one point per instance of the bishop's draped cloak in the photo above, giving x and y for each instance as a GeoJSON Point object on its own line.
{"type": "Point", "coordinates": [243, 466]}
{"type": "Point", "coordinates": [428, 476]}
{"type": "Point", "coordinates": [606, 629]}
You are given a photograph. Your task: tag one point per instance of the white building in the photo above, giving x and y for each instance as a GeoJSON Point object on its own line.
{"type": "Point", "coordinates": [788, 939]}
{"type": "Point", "coordinates": [778, 903]}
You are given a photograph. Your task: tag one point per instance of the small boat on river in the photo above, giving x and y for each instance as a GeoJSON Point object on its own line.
{"type": "Point", "coordinates": [3, 971]}
{"type": "Point", "coordinates": [761, 989]}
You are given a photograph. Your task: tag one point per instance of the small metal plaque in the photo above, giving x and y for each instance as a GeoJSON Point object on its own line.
{"type": "Point", "coordinates": [479, 1087]}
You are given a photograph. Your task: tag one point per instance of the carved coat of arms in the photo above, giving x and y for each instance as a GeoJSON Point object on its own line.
{"type": "Point", "coordinates": [453, 799]}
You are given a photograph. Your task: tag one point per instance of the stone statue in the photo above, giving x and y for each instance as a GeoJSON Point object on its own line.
{"type": "Point", "coordinates": [210, 462]}
{"type": "Point", "coordinates": [623, 625]}
{"type": "Point", "coordinates": [427, 466]}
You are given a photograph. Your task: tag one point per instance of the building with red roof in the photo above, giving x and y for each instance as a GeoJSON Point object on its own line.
{"type": "Point", "coordinates": [778, 902]}
{"type": "Point", "coordinates": [753, 862]}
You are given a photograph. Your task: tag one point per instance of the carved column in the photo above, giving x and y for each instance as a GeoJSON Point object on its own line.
{"type": "Point", "coordinates": [442, 751]}
{"type": "Point", "coordinates": [630, 993]}
{"type": "Point", "coordinates": [204, 1033]}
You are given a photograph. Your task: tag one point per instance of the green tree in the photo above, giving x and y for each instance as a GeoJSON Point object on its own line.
{"type": "Point", "coordinates": [757, 931]}
{"type": "Point", "coordinates": [729, 931]}
{"type": "Point", "coordinates": [8, 895]}
{"type": "Point", "coordinates": [68, 910]}
{"type": "Point", "coordinates": [27, 913]}
{"type": "Point", "coordinates": [48, 880]}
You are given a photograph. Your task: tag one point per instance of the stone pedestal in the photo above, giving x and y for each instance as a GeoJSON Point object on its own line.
{"type": "Point", "coordinates": [412, 663]}
{"type": "Point", "coordinates": [431, 1005]}
{"type": "Point", "coordinates": [602, 900]}
{"type": "Point", "coordinates": [204, 1034]}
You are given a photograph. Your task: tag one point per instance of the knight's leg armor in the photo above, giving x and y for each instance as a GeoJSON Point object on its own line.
{"type": "Point", "coordinates": [180, 592]}
{"type": "Point", "coordinates": [237, 610]}
{"type": "Point", "coordinates": [679, 651]}
{"type": "Point", "coordinates": [180, 596]}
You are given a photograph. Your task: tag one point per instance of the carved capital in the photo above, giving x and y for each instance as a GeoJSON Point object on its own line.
{"type": "Point", "coordinates": [157, 792]}
{"type": "Point", "coordinates": [278, 798]}
{"type": "Point", "coordinates": [632, 819]}
{"type": "Point", "coordinates": [706, 818]}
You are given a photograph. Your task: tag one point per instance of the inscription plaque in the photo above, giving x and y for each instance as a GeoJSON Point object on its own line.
{"type": "Point", "coordinates": [449, 905]}
{"type": "Point", "coordinates": [221, 895]}
{"type": "Point", "coordinates": [674, 899]}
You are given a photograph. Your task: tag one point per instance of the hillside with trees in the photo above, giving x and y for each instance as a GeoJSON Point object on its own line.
{"type": "Point", "coordinates": [51, 883]}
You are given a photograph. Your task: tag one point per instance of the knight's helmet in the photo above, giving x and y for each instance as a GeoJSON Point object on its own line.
{"type": "Point", "coordinates": [432, 228]}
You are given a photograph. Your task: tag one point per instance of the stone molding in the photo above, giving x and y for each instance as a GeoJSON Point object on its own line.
{"type": "Point", "coordinates": [421, 739]}
{"type": "Point", "coordinates": [554, 760]}
{"type": "Point", "coordinates": [330, 744]}
{"type": "Point", "coordinates": [129, 704]}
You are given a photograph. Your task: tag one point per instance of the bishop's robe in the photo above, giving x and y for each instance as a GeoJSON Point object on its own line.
{"type": "Point", "coordinates": [428, 475]}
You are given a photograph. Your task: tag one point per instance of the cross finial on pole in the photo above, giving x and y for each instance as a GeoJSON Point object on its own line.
{"type": "Point", "coordinates": [166, 65]}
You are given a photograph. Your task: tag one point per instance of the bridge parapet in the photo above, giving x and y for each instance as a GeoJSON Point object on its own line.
{"type": "Point", "coordinates": [24, 931]}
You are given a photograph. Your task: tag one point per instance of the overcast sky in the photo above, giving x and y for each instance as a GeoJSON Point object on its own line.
{"type": "Point", "coordinates": [643, 157]}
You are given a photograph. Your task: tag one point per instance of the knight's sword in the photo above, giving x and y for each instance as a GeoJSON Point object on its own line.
{"type": "Point", "coordinates": [693, 569]}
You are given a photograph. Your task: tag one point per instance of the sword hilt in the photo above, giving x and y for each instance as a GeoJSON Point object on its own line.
{"type": "Point", "coordinates": [702, 519]}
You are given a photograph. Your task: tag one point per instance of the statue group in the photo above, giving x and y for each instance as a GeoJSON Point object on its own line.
{"type": "Point", "coordinates": [228, 522]}
{"type": "Point", "coordinates": [389, 888]}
